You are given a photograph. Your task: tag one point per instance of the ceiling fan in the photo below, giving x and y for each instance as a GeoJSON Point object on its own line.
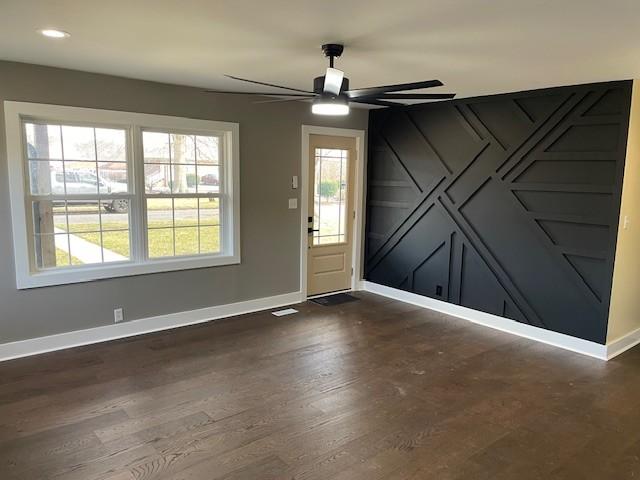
{"type": "Point", "coordinates": [331, 94]}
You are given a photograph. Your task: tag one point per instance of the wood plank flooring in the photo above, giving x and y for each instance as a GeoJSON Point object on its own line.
{"type": "Point", "coordinates": [374, 389]}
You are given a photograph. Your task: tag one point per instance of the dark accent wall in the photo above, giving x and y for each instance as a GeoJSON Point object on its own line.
{"type": "Point", "coordinates": [507, 204]}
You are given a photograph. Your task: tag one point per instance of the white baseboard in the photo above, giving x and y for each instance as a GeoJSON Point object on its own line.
{"type": "Point", "coordinates": [561, 340]}
{"type": "Point", "coordinates": [623, 343]}
{"type": "Point", "coordinates": [34, 346]}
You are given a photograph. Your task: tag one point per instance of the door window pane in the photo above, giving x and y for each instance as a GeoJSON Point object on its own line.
{"type": "Point", "coordinates": [330, 196]}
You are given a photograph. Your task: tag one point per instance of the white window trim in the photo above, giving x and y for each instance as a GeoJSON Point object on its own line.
{"type": "Point", "coordinates": [28, 278]}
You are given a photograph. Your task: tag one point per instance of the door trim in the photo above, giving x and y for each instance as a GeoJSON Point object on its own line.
{"type": "Point", "coordinates": [358, 196]}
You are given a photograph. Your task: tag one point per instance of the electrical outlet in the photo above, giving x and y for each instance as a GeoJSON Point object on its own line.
{"type": "Point", "coordinates": [293, 203]}
{"type": "Point", "coordinates": [118, 315]}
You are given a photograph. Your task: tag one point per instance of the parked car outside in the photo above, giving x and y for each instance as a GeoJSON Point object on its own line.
{"type": "Point", "coordinates": [80, 182]}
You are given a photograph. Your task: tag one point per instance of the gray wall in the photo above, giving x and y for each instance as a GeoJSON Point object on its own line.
{"type": "Point", "coordinates": [270, 143]}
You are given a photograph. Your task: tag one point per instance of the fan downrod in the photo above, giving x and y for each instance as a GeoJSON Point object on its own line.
{"type": "Point", "coordinates": [332, 50]}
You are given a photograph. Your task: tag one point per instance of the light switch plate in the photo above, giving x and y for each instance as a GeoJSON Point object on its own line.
{"type": "Point", "coordinates": [294, 182]}
{"type": "Point", "coordinates": [293, 203]}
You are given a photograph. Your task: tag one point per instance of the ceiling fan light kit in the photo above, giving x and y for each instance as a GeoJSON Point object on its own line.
{"type": "Point", "coordinates": [331, 94]}
{"type": "Point", "coordinates": [330, 105]}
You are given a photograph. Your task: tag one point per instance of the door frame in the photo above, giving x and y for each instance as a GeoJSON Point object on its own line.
{"type": "Point", "coordinates": [358, 198]}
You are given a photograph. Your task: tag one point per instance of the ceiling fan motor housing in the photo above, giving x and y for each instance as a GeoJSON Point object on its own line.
{"type": "Point", "coordinates": [318, 84]}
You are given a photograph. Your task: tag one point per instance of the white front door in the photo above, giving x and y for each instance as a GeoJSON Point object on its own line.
{"type": "Point", "coordinates": [331, 213]}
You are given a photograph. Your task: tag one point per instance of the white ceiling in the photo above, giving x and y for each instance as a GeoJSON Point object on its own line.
{"type": "Point", "coordinates": [474, 47]}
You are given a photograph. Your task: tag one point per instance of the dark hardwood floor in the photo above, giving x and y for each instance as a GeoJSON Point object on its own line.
{"type": "Point", "coordinates": [374, 389]}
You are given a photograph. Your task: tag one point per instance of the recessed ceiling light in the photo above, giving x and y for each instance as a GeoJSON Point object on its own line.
{"type": "Point", "coordinates": [53, 33]}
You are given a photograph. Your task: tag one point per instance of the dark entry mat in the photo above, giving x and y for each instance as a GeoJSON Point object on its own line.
{"type": "Point", "coordinates": [336, 299]}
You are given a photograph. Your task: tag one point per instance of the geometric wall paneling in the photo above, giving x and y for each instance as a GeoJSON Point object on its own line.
{"type": "Point", "coordinates": [592, 270]}
{"type": "Point", "coordinates": [390, 190]}
{"type": "Point", "coordinates": [431, 276]}
{"type": "Point", "coordinates": [507, 204]}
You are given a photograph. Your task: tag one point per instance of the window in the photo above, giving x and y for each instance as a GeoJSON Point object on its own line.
{"type": "Point", "coordinates": [182, 193]}
{"type": "Point", "coordinates": [330, 196]}
{"type": "Point", "coordinates": [99, 194]}
{"type": "Point", "coordinates": [78, 194]}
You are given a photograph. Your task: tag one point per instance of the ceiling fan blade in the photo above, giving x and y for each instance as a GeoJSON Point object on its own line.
{"type": "Point", "coordinates": [333, 81]}
{"type": "Point", "coordinates": [264, 94]}
{"type": "Point", "coordinates": [415, 96]}
{"type": "Point", "coordinates": [373, 101]}
{"type": "Point", "coordinates": [280, 100]}
{"type": "Point", "coordinates": [400, 87]}
{"type": "Point", "coordinates": [267, 84]}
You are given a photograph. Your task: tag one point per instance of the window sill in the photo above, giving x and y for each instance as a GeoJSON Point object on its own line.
{"type": "Point", "coordinates": [122, 269]}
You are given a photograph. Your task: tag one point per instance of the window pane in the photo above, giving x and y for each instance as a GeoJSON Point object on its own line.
{"type": "Point", "coordinates": [86, 247]}
{"type": "Point", "coordinates": [79, 143]}
{"type": "Point", "coordinates": [208, 179]}
{"type": "Point", "coordinates": [80, 178]}
{"type": "Point", "coordinates": [46, 177]}
{"type": "Point", "coordinates": [207, 150]}
{"type": "Point", "coordinates": [209, 211]}
{"type": "Point", "coordinates": [183, 178]}
{"type": "Point", "coordinates": [160, 242]}
{"type": "Point", "coordinates": [115, 214]}
{"type": "Point", "coordinates": [182, 148]}
{"type": "Point", "coordinates": [330, 194]}
{"type": "Point", "coordinates": [43, 141]}
{"type": "Point", "coordinates": [157, 178]}
{"type": "Point", "coordinates": [159, 212]}
{"type": "Point", "coordinates": [185, 211]}
{"type": "Point", "coordinates": [83, 217]}
{"type": "Point", "coordinates": [209, 239]}
{"type": "Point", "coordinates": [115, 246]}
{"type": "Point", "coordinates": [156, 147]}
{"type": "Point", "coordinates": [112, 177]}
{"type": "Point", "coordinates": [51, 250]}
{"type": "Point", "coordinates": [111, 144]}
{"type": "Point", "coordinates": [62, 257]}
{"type": "Point", "coordinates": [187, 241]}
{"type": "Point", "coordinates": [49, 217]}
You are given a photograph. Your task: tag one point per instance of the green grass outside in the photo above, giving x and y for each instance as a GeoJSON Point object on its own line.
{"type": "Point", "coordinates": [115, 234]}
{"type": "Point", "coordinates": [62, 258]}
{"type": "Point", "coordinates": [160, 235]}
{"type": "Point", "coordinates": [153, 204]}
